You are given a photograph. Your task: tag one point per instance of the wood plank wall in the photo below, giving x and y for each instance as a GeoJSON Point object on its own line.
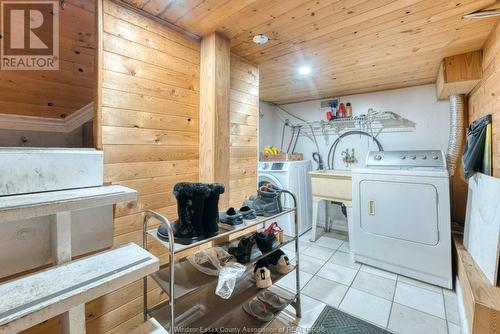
{"type": "Point", "coordinates": [150, 137]}
{"type": "Point", "coordinates": [244, 118]}
{"type": "Point", "coordinates": [485, 97]}
{"type": "Point", "coordinates": [57, 94]}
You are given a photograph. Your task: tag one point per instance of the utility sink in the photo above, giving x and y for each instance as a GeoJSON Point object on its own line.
{"type": "Point", "coordinates": [333, 185]}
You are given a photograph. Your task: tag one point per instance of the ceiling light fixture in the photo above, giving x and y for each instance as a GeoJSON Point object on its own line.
{"type": "Point", "coordinates": [260, 39]}
{"type": "Point", "coordinates": [304, 70]}
{"type": "Point", "coordinates": [481, 14]}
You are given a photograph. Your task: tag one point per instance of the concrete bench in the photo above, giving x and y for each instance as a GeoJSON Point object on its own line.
{"type": "Point", "coordinates": [66, 288]}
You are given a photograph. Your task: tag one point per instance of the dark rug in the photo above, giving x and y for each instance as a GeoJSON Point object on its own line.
{"type": "Point", "coordinates": [332, 320]}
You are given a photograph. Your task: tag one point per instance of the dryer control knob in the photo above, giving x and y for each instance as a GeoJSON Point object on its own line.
{"type": "Point", "coordinates": [435, 157]}
{"type": "Point", "coordinates": [424, 157]}
{"type": "Point", "coordinates": [378, 157]}
{"type": "Point", "coordinates": [265, 166]}
{"type": "Point", "coordinates": [413, 157]}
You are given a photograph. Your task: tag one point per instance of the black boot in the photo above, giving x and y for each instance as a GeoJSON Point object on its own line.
{"type": "Point", "coordinates": [190, 204]}
{"type": "Point", "coordinates": [211, 210]}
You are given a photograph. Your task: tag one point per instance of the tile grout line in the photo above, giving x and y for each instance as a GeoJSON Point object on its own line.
{"type": "Point", "coordinates": [445, 315]}
{"type": "Point", "coordinates": [392, 302]}
{"type": "Point", "coordinates": [425, 312]}
{"type": "Point", "coordinates": [397, 280]}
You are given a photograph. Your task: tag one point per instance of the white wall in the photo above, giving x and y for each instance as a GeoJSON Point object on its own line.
{"type": "Point", "coordinates": [269, 122]}
{"type": "Point", "coordinates": [418, 104]}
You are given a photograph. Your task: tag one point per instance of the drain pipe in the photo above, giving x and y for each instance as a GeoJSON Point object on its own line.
{"type": "Point", "coordinates": [456, 138]}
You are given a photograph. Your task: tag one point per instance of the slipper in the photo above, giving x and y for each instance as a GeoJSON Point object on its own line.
{"type": "Point", "coordinates": [258, 310]}
{"type": "Point", "coordinates": [231, 217]}
{"type": "Point", "coordinates": [273, 300]}
{"type": "Point", "coordinates": [247, 213]}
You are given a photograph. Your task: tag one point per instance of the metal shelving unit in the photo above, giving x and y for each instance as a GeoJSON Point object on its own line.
{"type": "Point", "coordinates": [373, 123]}
{"type": "Point", "coordinates": [194, 303]}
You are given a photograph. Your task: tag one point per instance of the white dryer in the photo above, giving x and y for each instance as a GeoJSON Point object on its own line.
{"type": "Point", "coordinates": [292, 176]}
{"type": "Point", "coordinates": [401, 215]}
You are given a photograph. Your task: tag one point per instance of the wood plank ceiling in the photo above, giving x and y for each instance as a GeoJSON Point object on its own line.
{"type": "Point", "coordinates": [352, 46]}
{"type": "Point", "coordinates": [57, 94]}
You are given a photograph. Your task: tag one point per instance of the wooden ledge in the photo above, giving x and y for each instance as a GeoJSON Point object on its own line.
{"type": "Point", "coordinates": [481, 299]}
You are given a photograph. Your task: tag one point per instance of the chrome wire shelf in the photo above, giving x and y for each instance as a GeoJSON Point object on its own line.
{"type": "Point", "coordinates": [191, 302]}
{"type": "Point", "coordinates": [373, 123]}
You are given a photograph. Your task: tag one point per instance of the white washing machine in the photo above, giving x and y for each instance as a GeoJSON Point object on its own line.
{"type": "Point", "coordinates": [401, 215]}
{"type": "Point", "coordinates": [292, 176]}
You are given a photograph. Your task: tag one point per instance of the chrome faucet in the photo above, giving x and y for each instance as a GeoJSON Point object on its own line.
{"type": "Point", "coordinates": [349, 158]}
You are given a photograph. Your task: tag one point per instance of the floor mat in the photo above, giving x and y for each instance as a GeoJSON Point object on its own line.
{"type": "Point", "coordinates": [332, 320]}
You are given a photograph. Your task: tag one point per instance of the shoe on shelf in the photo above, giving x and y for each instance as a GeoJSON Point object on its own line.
{"type": "Point", "coordinates": [267, 202]}
{"type": "Point", "coordinates": [262, 274]}
{"type": "Point", "coordinates": [279, 262]}
{"type": "Point", "coordinates": [231, 217]}
{"type": "Point", "coordinates": [243, 252]}
{"type": "Point", "coordinates": [258, 310]}
{"type": "Point", "coordinates": [211, 210]}
{"type": "Point", "coordinates": [190, 205]}
{"type": "Point", "coordinates": [265, 241]}
{"type": "Point", "coordinates": [247, 213]}
{"type": "Point", "coordinates": [274, 300]}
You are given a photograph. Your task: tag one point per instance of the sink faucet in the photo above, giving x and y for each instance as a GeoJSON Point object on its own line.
{"type": "Point", "coordinates": [349, 158]}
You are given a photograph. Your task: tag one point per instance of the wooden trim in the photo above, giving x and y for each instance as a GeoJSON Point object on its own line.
{"type": "Point", "coordinates": [99, 74]}
{"type": "Point", "coordinates": [44, 124]}
{"type": "Point", "coordinates": [481, 300]}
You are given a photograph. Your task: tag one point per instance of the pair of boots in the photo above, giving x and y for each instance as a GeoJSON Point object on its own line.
{"type": "Point", "coordinates": [244, 251]}
{"type": "Point", "coordinates": [267, 202]}
{"type": "Point", "coordinates": [198, 211]}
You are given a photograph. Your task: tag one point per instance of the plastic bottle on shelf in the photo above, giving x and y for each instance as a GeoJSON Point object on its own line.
{"type": "Point", "coordinates": [341, 111]}
{"type": "Point", "coordinates": [332, 112]}
{"type": "Point", "coordinates": [348, 109]}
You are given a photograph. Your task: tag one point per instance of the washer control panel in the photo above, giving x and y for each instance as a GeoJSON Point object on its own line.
{"type": "Point", "coordinates": [406, 159]}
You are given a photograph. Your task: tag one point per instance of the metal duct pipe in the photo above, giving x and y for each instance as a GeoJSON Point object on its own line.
{"type": "Point", "coordinates": [455, 141]}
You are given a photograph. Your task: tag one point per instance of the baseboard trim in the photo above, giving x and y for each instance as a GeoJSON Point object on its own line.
{"type": "Point", "coordinates": [42, 124]}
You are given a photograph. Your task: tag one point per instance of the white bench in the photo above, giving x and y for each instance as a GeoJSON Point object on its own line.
{"type": "Point", "coordinates": [66, 288]}
{"type": "Point", "coordinates": [17, 207]}
{"type": "Point", "coordinates": [56, 210]}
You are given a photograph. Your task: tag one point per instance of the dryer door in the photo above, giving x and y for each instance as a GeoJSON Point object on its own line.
{"type": "Point", "coordinates": [400, 210]}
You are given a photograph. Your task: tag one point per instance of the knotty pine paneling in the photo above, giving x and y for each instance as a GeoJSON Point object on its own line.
{"type": "Point", "coordinates": [244, 115]}
{"type": "Point", "coordinates": [485, 98]}
{"type": "Point", "coordinates": [150, 137]}
{"type": "Point", "coordinates": [57, 94]}
{"type": "Point", "coordinates": [353, 46]}
{"type": "Point", "coordinates": [149, 132]}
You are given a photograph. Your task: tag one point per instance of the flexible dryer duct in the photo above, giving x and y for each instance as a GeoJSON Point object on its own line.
{"type": "Point", "coordinates": [455, 141]}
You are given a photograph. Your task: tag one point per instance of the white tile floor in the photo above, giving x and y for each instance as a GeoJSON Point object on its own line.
{"type": "Point", "coordinates": [397, 303]}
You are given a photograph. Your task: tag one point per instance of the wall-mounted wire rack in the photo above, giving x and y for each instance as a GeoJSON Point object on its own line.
{"type": "Point", "coordinates": [373, 123]}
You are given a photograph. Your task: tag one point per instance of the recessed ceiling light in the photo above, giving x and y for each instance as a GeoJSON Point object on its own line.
{"type": "Point", "coordinates": [304, 70]}
{"type": "Point", "coordinates": [260, 39]}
